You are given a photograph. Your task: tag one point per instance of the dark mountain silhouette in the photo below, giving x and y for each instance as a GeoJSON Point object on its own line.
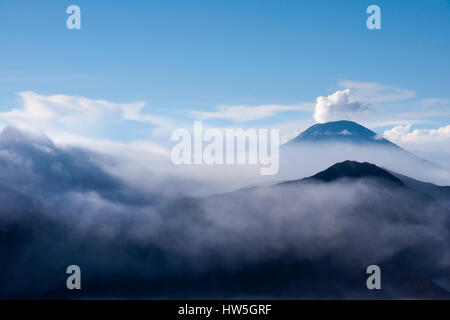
{"type": "Point", "coordinates": [353, 169]}
{"type": "Point", "coordinates": [368, 172]}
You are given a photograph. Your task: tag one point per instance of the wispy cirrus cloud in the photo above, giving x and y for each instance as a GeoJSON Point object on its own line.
{"type": "Point", "coordinates": [134, 112]}
{"type": "Point", "coordinates": [437, 103]}
{"type": "Point", "coordinates": [374, 92]}
{"type": "Point", "coordinates": [245, 113]}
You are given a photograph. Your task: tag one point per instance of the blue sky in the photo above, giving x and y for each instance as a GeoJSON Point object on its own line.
{"type": "Point", "coordinates": [185, 57]}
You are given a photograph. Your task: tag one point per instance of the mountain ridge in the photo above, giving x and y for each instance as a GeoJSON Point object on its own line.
{"type": "Point", "coordinates": [350, 169]}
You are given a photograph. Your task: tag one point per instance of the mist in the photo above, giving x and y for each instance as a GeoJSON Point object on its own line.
{"type": "Point", "coordinates": [298, 161]}
{"type": "Point", "coordinates": [60, 207]}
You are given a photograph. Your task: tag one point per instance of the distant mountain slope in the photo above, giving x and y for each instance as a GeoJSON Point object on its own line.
{"type": "Point", "coordinates": [341, 131]}
{"type": "Point", "coordinates": [438, 192]}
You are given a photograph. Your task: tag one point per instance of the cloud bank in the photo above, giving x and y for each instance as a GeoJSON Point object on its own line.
{"type": "Point", "coordinates": [59, 208]}
{"type": "Point", "coordinates": [406, 136]}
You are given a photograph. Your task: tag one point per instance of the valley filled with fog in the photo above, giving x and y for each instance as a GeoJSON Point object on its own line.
{"type": "Point", "coordinates": [163, 231]}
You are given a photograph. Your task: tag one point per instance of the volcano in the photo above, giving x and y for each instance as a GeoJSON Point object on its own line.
{"type": "Point", "coordinates": [344, 132]}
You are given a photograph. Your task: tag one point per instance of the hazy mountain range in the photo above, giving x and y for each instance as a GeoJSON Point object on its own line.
{"type": "Point", "coordinates": [324, 144]}
{"type": "Point", "coordinates": [301, 238]}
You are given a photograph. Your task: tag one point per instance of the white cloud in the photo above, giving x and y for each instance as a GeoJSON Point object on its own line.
{"type": "Point", "coordinates": [144, 148]}
{"type": "Point", "coordinates": [338, 106]}
{"type": "Point", "coordinates": [439, 103]}
{"type": "Point", "coordinates": [243, 113]}
{"type": "Point", "coordinates": [69, 110]}
{"type": "Point", "coordinates": [397, 133]}
{"type": "Point", "coordinates": [404, 135]}
{"type": "Point", "coordinates": [374, 92]}
{"type": "Point", "coordinates": [133, 112]}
